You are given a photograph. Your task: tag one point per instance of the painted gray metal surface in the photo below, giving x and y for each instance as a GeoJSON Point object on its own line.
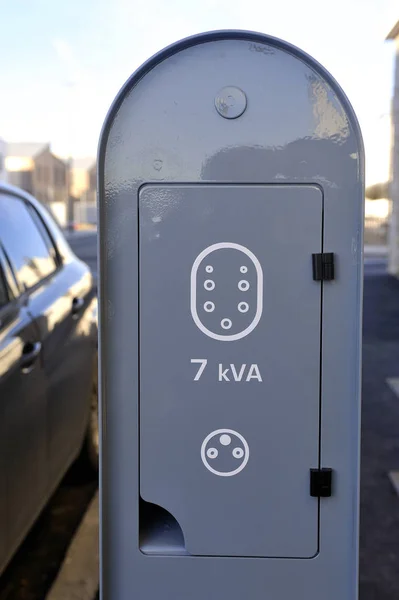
{"type": "Point", "coordinates": [298, 132]}
{"type": "Point", "coordinates": [196, 380]}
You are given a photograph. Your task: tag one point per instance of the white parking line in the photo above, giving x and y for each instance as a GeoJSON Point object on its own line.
{"type": "Point", "coordinates": [394, 477]}
{"type": "Point", "coordinates": [78, 577]}
{"type": "Point", "coordinates": [375, 250]}
{"type": "Point", "coordinates": [393, 383]}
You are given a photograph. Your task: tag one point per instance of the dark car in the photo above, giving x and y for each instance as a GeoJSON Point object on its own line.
{"type": "Point", "coordinates": [48, 363]}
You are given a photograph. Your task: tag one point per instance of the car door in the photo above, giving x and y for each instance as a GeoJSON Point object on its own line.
{"type": "Point", "coordinates": [59, 304]}
{"type": "Point", "coordinates": [5, 298]}
{"type": "Point", "coordinates": [62, 311]}
{"type": "Point", "coordinates": [23, 443]}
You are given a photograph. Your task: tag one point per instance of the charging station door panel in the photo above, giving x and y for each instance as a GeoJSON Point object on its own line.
{"type": "Point", "coordinates": [230, 340]}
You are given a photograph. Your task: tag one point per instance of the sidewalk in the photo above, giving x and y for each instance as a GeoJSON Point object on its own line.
{"type": "Point", "coordinates": [379, 515]}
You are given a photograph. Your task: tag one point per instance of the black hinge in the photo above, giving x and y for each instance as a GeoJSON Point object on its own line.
{"type": "Point", "coordinates": [320, 483]}
{"type": "Point", "coordinates": [323, 266]}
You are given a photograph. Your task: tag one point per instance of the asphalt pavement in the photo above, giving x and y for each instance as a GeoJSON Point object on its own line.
{"type": "Point", "coordinates": [379, 514]}
{"type": "Point", "coordinates": [379, 511]}
{"type": "Point", "coordinates": [34, 567]}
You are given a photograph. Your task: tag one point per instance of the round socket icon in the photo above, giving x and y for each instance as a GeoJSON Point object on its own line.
{"type": "Point", "coordinates": [226, 291]}
{"type": "Point", "coordinates": [225, 452]}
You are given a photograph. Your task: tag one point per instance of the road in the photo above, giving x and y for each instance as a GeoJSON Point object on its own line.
{"type": "Point", "coordinates": [379, 504]}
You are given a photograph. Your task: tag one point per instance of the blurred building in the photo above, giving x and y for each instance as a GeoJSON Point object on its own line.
{"type": "Point", "coordinates": [385, 195]}
{"type": "Point", "coordinates": [3, 172]}
{"type": "Point", "coordinates": [83, 191]}
{"type": "Point", "coordinates": [83, 184]}
{"type": "Point", "coordinates": [93, 183]}
{"type": "Point", "coordinates": [34, 168]}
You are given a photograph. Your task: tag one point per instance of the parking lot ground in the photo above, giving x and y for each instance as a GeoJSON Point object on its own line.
{"type": "Point", "coordinates": [35, 565]}
{"type": "Point", "coordinates": [79, 573]}
{"type": "Point", "coordinates": [379, 514]}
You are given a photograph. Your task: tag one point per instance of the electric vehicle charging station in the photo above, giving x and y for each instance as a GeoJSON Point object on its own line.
{"type": "Point", "coordinates": [231, 198]}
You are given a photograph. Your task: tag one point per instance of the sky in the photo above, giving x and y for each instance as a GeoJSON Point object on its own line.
{"type": "Point", "coordinates": [63, 61]}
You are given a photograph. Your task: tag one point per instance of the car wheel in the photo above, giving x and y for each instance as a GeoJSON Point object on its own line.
{"type": "Point", "coordinates": [86, 465]}
{"type": "Point", "coordinates": [92, 435]}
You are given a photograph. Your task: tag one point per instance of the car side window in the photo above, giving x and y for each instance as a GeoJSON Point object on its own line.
{"type": "Point", "coordinates": [26, 249]}
{"type": "Point", "coordinates": [45, 234]}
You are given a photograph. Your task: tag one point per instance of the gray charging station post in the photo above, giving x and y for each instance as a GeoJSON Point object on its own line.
{"type": "Point", "coordinates": [231, 193]}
